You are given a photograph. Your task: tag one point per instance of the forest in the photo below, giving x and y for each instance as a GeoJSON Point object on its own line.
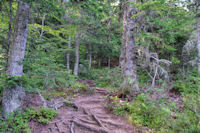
{"type": "Point", "coordinates": [99, 66]}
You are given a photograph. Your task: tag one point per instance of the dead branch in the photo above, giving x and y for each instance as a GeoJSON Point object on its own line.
{"type": "Point", "coordinates": [42, 98]}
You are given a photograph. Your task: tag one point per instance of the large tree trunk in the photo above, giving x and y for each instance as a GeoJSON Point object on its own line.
{"type": "Point", "coordinates": [78, 36]}
{"type": "Point", "coordinates": [68, 54]}
{"type": "Point", "coordinates": [128, 50]}
{"type": "Point", "coordinates": [12, 96]}
{"type": "Point", "coordinates": [198, 36]}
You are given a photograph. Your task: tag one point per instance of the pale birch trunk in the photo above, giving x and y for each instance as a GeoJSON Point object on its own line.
{"type": "Point", "coordinates": [68, 54]}
{"type": "Point", "coordinates": [128, 50]}
{"type": "Point", "coordinates": [12, 96]}
{"type": "Point", "coordinates": [76, 65]}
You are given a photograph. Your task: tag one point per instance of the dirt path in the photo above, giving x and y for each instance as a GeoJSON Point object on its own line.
{"type": "Point", "coordinates": [88, 115]}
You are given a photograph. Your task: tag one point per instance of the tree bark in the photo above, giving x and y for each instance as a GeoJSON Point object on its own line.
{"type": "Point", "coordinates": [90, 57]}
{"type": "Point", "coordinates": [198, 36]}
{"type": "Point", "coordinates": [109, 62]}
{"type": "Point", "coordinates": [68, 54]}
{"type": "Point", "coordinates": [128, 50]}
{"type": "Point", "coordinates": [90, 61]}
{"type": "Point", "coordinates": [99, 62]}
{"type": "Point", "coordinates": [12, 96]}
{"type": "Point", "coordinates": [76, 65]}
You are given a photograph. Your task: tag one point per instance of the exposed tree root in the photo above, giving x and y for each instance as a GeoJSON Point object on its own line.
{"type": "Point", "coordinates": [97, 120]}
{"type": "Point", "coordinates": [74, 105]}
{"type": "Point", "coordinates": [85, 114]}
{"type": "Point", "coordinates": [72, 128]}
{"type": "Point", "coordinates": [113, 124]}
{"type": "Point", "coordinates": [86, 121]}
{"type": "Point", "coordinates": [98, 130]}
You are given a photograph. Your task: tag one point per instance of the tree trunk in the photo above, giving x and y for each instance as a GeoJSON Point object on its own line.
{"type": "Point", "coordinates": [12, 96]}
{"type": "Point", "coordinates": [99, 62]}
{"type": "Point", "coordinates": [109, 62]}
{"type": "Point", "coordinates": [198, 37]}
{"type": "Point", "coordinates": [68, 54]}
{"type": "Point", "coordinates": [42, 30]}
{"type": "Point", "coordinates": [128, 50]}
{"type": "Point", "coordinates": [90, 57]}
{"type": "Point", "coordinates": [90, 61]}
{"type": "Point", "coordinates": [77, 54]}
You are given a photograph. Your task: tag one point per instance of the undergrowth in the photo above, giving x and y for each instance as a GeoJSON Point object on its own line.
{"type": "Point", "coordinates": [18, 122]}
{"type": "Point", "coordinates": [105, 77]}
{"type": "Point", "coordinates": [159, 112]}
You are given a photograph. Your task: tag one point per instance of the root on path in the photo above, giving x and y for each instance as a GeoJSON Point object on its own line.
{"type": "Point", "coordinates": [87, 114]}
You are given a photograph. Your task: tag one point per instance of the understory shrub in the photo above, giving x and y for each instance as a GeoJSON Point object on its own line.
{"type": "Point", "coordinates": [188, 84]}
{"type": "Point", "coordinates": [18, 122]}
{"type": "Point", "coordinates": [161, 113]}
{"type": "Point", "coordinates": [105, 77]}
{"type": "Point", "coordinates": [143, 111]}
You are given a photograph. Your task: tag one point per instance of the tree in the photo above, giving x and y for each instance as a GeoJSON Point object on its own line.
{"type": "Point", "coordinates": [128, 50]}
{"type": "Point", "coordinates": [197, 4]}
{"type": "Point", "coordinates": [76, 65]}
{"type": "Point", "coordinates": [68, 54]}
{"type": "Point", "coordinates": [12, 96]}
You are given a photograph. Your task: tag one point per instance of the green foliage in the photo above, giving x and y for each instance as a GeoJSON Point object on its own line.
{"type": "Point", "coordinates": [143, 111]}
{"type": "Point", "coordinates": [68, 103]}
{"type": "Point", "coordinates": [188, 120]}
{"type": "Point", "coordinates": [12, 81]}
{"type": "Point", "coordinates": [189, 84]}
{"type": "Point", "coordinates": [163, 114]}
{"type": "Point", "coordinates": [18, 122]}
{"type": "Point", "coordinates": [105, 77]}
{"type": "Point", "coordinates": [163, 27]}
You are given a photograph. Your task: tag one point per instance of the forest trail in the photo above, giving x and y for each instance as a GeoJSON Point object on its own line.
{"type": "Point", "coordinates": [87, 115]}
